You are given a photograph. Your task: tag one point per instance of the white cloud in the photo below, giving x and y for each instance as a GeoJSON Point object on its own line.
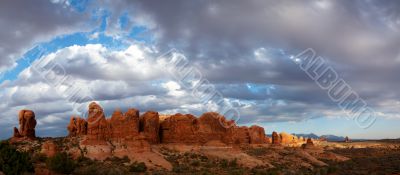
{"type": "Point", "coordinates": [174, 89]}
{"type": "Point", "coordinates": [26, 23]}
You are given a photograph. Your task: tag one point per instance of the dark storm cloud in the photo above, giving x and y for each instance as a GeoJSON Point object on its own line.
{"type": "Point", "coordinates": [360, 39]}
{"type": "Point", "coordinates": [242, 47]}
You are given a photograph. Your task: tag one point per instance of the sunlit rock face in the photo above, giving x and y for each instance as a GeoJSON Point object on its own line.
{"type": "Point", "coordinates": [125, 134]}
{"type": "Point", "coordinates": [150, 127]}
{"type": "Point", "coordinates": [210, 126]}
{"type": "Point", "coordinates": [257, 134]}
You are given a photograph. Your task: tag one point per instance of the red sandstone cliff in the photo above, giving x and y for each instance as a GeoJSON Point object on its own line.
{"type": "Point", "coordinates": [178, 128]}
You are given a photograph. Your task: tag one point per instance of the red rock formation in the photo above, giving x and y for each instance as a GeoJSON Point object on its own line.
{"type": "Point", "coordinates": [77, 126]}
{"type": "Point", "coordinates": [27, 124]}
{"type": "Point", "coordinates": [237, 135]}
{"type": "Point", "coordinates": [149, 125]}
{"type": "Point", "coordinates": [347, 139]}
{"type": "Point", "coordinates": [98, 128]}
{"type": "Point", "coordinates": [308, 144]}
{"type": "Point", "coordinates": [210, 127]}
{"type": "Point", "coordinates": [275, 138]}
{"type": "Point", "coordinates": [286, 138]}
{"type": "Point", "coordinates": [49, 148]}
{"type": "Point", "coordinates": [257, 134]}
{"type": "Point", "coordinates": [16, 133]}
{"type": "Point", "coordinates": [179, 128]}
{"type": "Point", "coordinates": [267, 140]}
{"type": "Point", "coordinates": [124, 126]}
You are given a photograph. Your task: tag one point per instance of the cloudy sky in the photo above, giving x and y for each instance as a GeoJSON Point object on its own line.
{"type": "Point", "coordinates": [58, 55]}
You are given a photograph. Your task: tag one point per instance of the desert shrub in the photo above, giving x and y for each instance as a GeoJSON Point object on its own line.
{"type": "Point", "coordinates": [180, 168]}
{"type": "Point", "coordinates": [14, 162]}
{"type": "Point", "coordinates": [38, 157]}
{"type": "Point", "coordinates": [265, 171]}
{"type": "Point", "coordinates": [236, 171]}
{"type": "Point", "coordinates": [61, 163]}
{"type": "Point", "coordinates": [172, 157]}
{"type": "Point", "coordinates": [233, 163]}
{"type": "Point", "coordinates": [186, 154]}
{"type": "Point", "coordinates": [203, 158]}
{"type": "Point", "coordinates": [259, 171]}
{"type": "Point", "coordinates": [193, 156]}
{"type": "Point", "coordinates": [332, 169]}
{"type": "Point", "coordinates": [205, 172]}
{"type": "Point", "coordinates": [210, 164]}
{"type": "Point", "coordinates": [137, 167]}
{"type": "Point", "coordinates": [118, 160]}
{"type": "Point", "coordinates": [82, 160]}
{"type": "Point", "coordinates": [156, 172]}
{"type": "Point", "coordinates": [100, 169]}
{"type": "Point", "coordinates": [224, 163]}
{"type": "Point", "coordinates": [195, 163]}
{"type": "Point", "coordinates": [257, 151]}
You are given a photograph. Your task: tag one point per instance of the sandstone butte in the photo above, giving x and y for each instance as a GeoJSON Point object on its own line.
{"type": "Point", "coordinates": [177, 128]}
{"type": "Point", "coordinates": [131, 134]}
{"type": "Point", "coordinates": [27, 124]}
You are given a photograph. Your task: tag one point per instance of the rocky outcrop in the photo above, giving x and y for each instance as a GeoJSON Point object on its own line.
{"type": "Point", "coordinates": [346, 139]}
{"type": "Point", "coordinates": [77, 127]}
{"type": "Point", "coordinates": [124, 126]}
{"type": "Point", "coordinates": [309, 141]}
{"type": "Point", "coordinates": [16, 133]}
{"type": "Point", "coordinates": [287, 138]}
{"type": "Point", "coordinates": [27, 124]}
{"type": "Point", "coordinates": [49, 148]}
{"type": "Point", "coordinates": [149, 125]}
{"type": "Point", "coordinates": [257, 134]}
{"type": "Point", "coordinates": [178, 128]}
{"type": "Point", "coordinates": [188, 129]}
{"type": "Point", "coordinates": [127, 134]}
{"type": "Point", "coordinates": [237, 135]}
{"type": "Point", "coordinates": [268, 140]}
{"type": "Point", "coordinates": [275, 138]}
{"type": "Point", "coordinates": [98, 127]}
{"type": "Point", "coordinates": [308, 144]}
{"type": "Point", "coordinates": [210, 128]}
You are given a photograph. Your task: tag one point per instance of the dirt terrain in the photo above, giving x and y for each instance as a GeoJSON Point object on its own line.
{"type": "Point", "coordinates": [368, 157]}
{"type": "Point", "coordinates": [130, 143]}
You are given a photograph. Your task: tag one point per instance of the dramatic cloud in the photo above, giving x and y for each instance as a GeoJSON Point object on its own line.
{"type": "Point", "coordinates": [230, 42]}
{"type": "Point", "coordinates": [243, 48]}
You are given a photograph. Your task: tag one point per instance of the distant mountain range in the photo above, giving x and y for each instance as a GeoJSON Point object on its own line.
{"type": "Point", "coordinates": [311, 135]}
{"type": "Point", "coordinates": [328, 137]}
{"type": "Point", "coordinates": [331, 138]}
